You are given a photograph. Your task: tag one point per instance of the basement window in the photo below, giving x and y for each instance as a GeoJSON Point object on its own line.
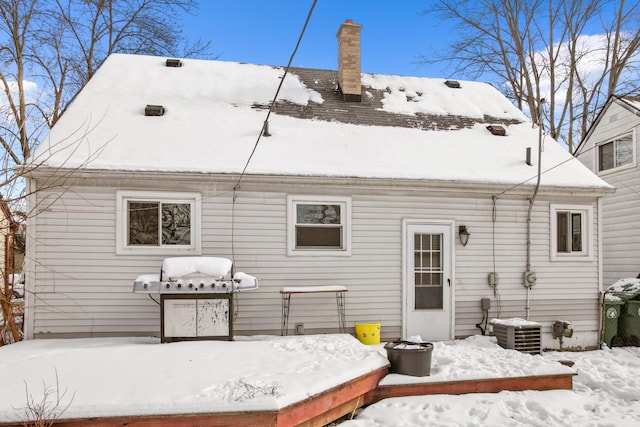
{"type": "Point", "coordinates": [158, 222]}
{"type": "Point", "coordinates": [618, 153]}
{"type": "Point", "coordinates": [571, 232]}
{"type": "Point", "coordinates": [318, 226]}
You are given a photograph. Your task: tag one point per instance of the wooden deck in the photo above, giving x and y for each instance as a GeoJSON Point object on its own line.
{"type": "Point", "coordinates": [332, 404]}
{"type": "Point", "coordinates": [488, 385]}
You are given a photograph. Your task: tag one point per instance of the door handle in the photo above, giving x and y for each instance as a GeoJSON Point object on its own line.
{"type": "Point", "coordinates": [449, 281]}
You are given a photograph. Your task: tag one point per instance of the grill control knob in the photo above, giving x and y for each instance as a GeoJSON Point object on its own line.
{"type": "Point", "coordinates": [190, 285]}
{"type": "Point", "coordinates": [167, 286]}
{"type": "Point", "coordinates": [179, 285]}
{"type": "Point", "coordinates": [201, 285]}
{"type": "Point", "coordinates": [146, 286]}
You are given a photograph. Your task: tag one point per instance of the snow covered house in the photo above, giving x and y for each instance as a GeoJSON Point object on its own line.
{"type": "Point", "coordinates": [610, 149]}
{"type": "Point", "coordinates": [418, 195]}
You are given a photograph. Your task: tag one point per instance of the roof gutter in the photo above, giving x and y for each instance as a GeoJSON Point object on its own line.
{"type": "Point", "coordinates": [68, 175]}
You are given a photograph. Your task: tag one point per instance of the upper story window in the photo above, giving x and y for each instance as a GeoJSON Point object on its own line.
{"type": "Point", "coordinates": [319, 225]}
{"type": "Point", "coordinates": [571, 232]}
{"type": "Point", "coordinates": [158, 222]}
{"type": "Point", "coordinates": [616, 153]}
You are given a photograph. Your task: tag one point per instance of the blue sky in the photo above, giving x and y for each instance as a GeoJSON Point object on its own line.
{"type": "Point", "coordinates": [394, 33]}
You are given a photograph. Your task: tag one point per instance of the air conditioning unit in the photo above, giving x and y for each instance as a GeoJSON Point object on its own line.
{"type": "Point", "coordinates": [518, 334]}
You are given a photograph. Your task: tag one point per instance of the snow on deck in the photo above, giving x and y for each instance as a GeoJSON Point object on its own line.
{"type": "Point", "coordinates": [139, 376]}
{"type": "Point", "coordinates": [479, 357]}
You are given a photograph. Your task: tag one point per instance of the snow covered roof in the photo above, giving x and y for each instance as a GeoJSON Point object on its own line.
{"type": "Point", "coordinates": [404, 128]}
{"type": "Point", "coordinates": [633, 101]}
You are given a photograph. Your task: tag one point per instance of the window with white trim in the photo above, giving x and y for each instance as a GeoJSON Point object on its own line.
{"type": "Point", "coordinates": [617, 153]}
{"type": "Point", "coordinates": [318, 225]}
{"type": "Point", "coordinates": [150, 222]}
{"type": "Point", "coordinates": [571, 232]}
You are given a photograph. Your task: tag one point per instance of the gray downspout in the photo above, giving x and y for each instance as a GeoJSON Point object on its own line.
{"type": "Point", "coordinates": [529, 276]}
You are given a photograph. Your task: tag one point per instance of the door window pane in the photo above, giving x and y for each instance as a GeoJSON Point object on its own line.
{"type": "Point", "coordinates": [428, 275]}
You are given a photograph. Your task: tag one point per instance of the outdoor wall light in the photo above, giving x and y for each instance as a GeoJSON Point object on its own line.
{"type": "Point", "coordinates": [464, 234]}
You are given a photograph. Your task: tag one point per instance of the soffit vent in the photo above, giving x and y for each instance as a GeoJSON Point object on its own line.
{"type": "Point", "coordinates": [173, 63]}
{"type": "Point", "coordinates": [154, 110]}
{"type": "Point", "coordinates": [497, 130]}
{"type": "Point", "coordinates": [454, 84]}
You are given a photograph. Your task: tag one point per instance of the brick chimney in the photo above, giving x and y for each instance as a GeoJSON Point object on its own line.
{"type": "Point", "coordinates": [349, 61]}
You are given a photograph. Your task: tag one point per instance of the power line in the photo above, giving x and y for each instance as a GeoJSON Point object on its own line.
{"type": "Point", "coordinates": [543, 172]}
{"type": "Point", "coordinates": [262, 131]}
{"type": "Point", "coordinates": [273, 102]}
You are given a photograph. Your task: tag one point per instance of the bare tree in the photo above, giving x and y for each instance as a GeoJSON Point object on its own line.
{"type": "Point", "coordinates": [49, 49]}
{"type": "Point", "coordinates": [573, 54]}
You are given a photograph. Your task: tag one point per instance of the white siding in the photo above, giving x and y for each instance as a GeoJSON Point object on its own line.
{"type": "Point", "coordinates": [84, 288]}
{"type": "Point", "coordinates": [621, 211]}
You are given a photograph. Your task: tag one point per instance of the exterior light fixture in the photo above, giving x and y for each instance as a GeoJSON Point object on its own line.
{"type": "Point", "coordinates": [464, 234]}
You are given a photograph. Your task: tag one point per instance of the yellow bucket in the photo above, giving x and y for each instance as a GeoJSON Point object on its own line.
{"type": "Point", "coordinates": [368, 333]}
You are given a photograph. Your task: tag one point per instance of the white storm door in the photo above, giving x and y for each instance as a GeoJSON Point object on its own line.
{"type": "Point", "coordinates": [427, 282]}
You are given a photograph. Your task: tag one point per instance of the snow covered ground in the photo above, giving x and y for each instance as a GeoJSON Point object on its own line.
{"type": "Point", "coordinates": [137, 376]}
{"type": "Point", "coordinates": [606, 392]}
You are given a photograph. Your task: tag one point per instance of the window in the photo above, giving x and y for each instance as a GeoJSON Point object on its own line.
{"type": "Point", "coordinates": [571, 232]}
{"type": "Point", "coordinates": [616, 153]}
{"type": "Point", "coordinates": [158, 222]}
{"type": "Point", "coordinates": [319, 225]}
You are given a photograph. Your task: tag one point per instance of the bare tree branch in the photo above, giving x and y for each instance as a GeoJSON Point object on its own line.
{"type": "Point", "coordinates": [562, 51]}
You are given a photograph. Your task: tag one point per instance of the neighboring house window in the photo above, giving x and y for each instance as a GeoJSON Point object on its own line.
{"type": "Point", "coordinates": [158, 222]}
{"type": "Point", "coordinates": [319, 225]}
{"type": "Point", "coordinates": [616, 153]}
{"type": "Point", "coordinates": [571, 232]}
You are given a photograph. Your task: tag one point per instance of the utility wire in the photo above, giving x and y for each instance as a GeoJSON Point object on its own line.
{"type": "Point", "coordinates": [542, 173]}
{"type": "Point", "coordinates": [273, 102]}
{"type": "Point", "coordinates": [262, 131]}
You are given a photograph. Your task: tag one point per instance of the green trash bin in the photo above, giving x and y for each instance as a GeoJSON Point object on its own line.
{"type": "Point", "coordinates": [612, 309]}
{"type": "Point", "coordinates": [630, 323]}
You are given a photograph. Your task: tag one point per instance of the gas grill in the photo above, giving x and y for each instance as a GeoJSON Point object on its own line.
{"type": "Point", "coordinates": [196, 297]}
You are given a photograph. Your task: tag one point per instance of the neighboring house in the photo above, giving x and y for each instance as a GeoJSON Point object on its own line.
{"type": "Point", "coordinates": [365, 181]}
{"type": "Point", "coordinates": [610, 149]}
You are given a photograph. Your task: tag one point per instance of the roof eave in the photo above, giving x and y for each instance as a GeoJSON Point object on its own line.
{"type": "Point", "coordinates": [282, 181]}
